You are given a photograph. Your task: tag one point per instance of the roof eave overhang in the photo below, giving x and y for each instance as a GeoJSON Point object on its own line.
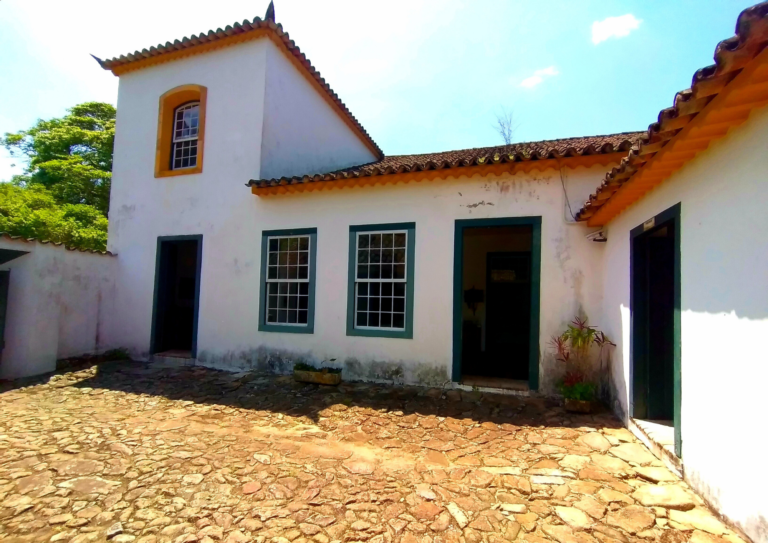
{"type": "Point", "coordinates": [650, 166]}
{"type": "Point", "coordinates": [236, 35]}
{"type": "Point", "coordinates": [316, 183]}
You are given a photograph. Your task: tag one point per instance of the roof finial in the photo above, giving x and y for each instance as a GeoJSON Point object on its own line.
{"type": "Point", "coordinates": [270, 15]}
{"type": "Point", "coordinates": [101, 62]}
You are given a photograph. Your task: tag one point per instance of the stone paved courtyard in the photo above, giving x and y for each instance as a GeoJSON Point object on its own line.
{"type": "Point", "coordinates": [128, 452]}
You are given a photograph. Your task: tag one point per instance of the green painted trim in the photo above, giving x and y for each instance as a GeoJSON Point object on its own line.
{"type": "Point", "coordinates": [410, 256]}
{"type": "Point", "coordinates": [638, 326]}
{"type": "Point", "coordinates": [310, 327]}
{"type": "Point", "coordinates": [458, 280]}
{"type": "Point", "coordinates": [5, 280]}
{"type": "Point", "coordinates": [155, 295]}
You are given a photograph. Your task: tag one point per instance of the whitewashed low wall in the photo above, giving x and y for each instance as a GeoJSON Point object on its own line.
{"type": "Point", "coordinates": [57, 300]}
{"type": "Point", "coordinates": [724, 272]}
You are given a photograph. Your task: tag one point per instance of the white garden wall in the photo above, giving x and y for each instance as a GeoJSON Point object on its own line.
{"type": "Point", "coordinates": [724, 273]}
{"type": "Point", "coordinates": [57, 302]}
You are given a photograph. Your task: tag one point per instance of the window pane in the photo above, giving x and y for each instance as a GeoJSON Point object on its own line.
{"type": "Point", "coordinates": [272, 315]}
{"type": "Point", "coordinates": [362, 319]}
{"type": "Point", "coordinates": [303, 302]}
{"type": "Point", "coordinates": [304, 289]}
{"type": "Point", "coordinates": [282, 272]}
{"type": "Point", "coordinates": [399, 256]}
{"type": "Point", "coordinates": [386, 256]}
{"type": "Point", "coordinates": [304, 258]}
{"type": "Point", "coordinates": [272, 273]}
{"type": "Point", "coordinates": [293, 258]}
{"type": "Point", "coordinates": [363, 241]}
{"type": "Point", "coordinates": [362, 271]}
{"type": "Point", "coordinates": [373, 304]}
{"type": "Point", "coordinates": [273, 244]}
{"type": "Point", "coordinates": [373, 319]}
{"type": "Point", "coordinates": [386, 320]}
{"type": "Point", "coordinates": [293, 288]}
{"type": "Point", "coordinates": [398, 320]}
{"type": "Point", "coordinates": [374, 271]}
{"type": "Point", "coordinates": [272, 259]}
{"type": "Point", "coordinates": [375, 241]}
{"type": "Point", "coordinates": [304, 243]}
{"type": "Point", "coordinates": [283, 288]}
{"type": "Point", "coordinates": [293, 302]}
{"type": "Point", "coordinates": [386, 271]}
{"type": "Point", "coordinates": [399, 271]}
{"type": "Point", "coordinates": [282, 258]}
{"type": "Point", "coordinates": [386, 240]}
{"type": "Point", "coordinates": [303, 317]}
{"type": "Point", "coordinates": [303, 272]}
{"type": "Point", "coordinates": [399, 289]}
{"type": "Point", "coordinates": [284, 244]}
{"type": "Point", "coordinates": [362, 256]}
{"type": "Point", "coordinates": [386, 289]}
{"type": "Point", "coordinates": [398, 305]}
{"type": "Point", "coordinates": [399, 240]}
{"type": "Point", "coordinates": [282, 316]}
{"type": "Point", "coordinates": [386, 304]}
{"type": "Point", "coordinates": [293, 244]}
{"type": "Point", "coordinates": [273, 288]}
{"type": "Point", "coordinates": [292, 317]}
{"type": "Point", "coordinates": [375, 257]}
{"type": "Point", "coordinates": [293, 272]}
{"type": "Point", "coordinates": [374, 289]}
{"type": "Point", "coordinates": [362, 304]}
{"type": "Point", "coordinates": [362, 289]}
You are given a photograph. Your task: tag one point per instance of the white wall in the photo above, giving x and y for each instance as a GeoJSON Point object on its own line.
{"type": "Point", "coordinates": [57, 300]}
{"type": "Point", "coordinates": [724, 273]}
{"type": "Point", "coordinates": [302, 133]}
{"type": "Point", "coordinates": [212, 203]}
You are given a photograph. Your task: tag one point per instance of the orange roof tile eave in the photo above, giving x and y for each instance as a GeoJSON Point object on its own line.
{"type": "Point", "coordinates": [721, 97]}
{"type": "Point", "coordinates": [586, 150]}
{"type": "Point", "coordinates": [7, 236]}
{"type": "Point", "coordinates": [233, 35]}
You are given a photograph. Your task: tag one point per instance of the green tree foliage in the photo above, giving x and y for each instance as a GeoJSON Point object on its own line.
{"type": "Point", "coordinates": [70, 156]}
{"type": "Point", "coordinates": [33, 212]}
{"type": "Point", "coordinates": [63, 195]}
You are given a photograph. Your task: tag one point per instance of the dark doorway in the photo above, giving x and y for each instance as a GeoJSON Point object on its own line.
{"type": "Point", "coordinates": [496, 302]}
{"type": "Point", "coordinates": [177, 294]}
{"type": "Point", "coordinates": [655, 301]}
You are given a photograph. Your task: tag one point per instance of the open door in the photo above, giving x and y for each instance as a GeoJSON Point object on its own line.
{"type": "Point", "coordinates": [496, 302]}
{"type": "Point", "coordinates": [5, 277]}
{"type": "Point", "coordinates": [655, 303]}
{"type": "Point", "coordinates": [177, 296]}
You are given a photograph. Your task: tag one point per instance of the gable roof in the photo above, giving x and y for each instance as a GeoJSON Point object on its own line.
{"type": "Point", "coordinates": [233, 35]}
{"type": "Point", "coordinates": [485, 157]}
{"type": "Point", "coordinates": [721, 96]}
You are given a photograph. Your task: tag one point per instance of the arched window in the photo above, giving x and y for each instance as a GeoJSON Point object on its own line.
{"type": "Point", "coordinates": [181, 131]}
{"type": "Point", "coordinates": [185, 136]}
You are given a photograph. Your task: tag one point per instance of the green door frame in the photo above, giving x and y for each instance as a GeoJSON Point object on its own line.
{"type": "Point", "coordinates": [458, 281]}
{"type": "Point", "coordinates": [638, 353]}
{"type": "Point", "coordinates": [158, 278]}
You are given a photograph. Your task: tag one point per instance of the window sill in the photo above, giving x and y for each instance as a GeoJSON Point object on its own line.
{"type": "Point", "coordinates": [174, 173]}
{"type": "Point", "coordinates": [404, 334]}
{"type": "Point", "coordinates": [286, 329]}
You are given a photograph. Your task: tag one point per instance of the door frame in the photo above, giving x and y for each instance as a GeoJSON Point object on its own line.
{"type": "Point", "coordinates": [458, 281]}
{"type": "Point", "coordinates": [638, 326]}
{"type": "Point", "coordinates": [155, 297]}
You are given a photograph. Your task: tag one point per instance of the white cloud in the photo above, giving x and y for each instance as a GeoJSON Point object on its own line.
{"type": "Point", "coordinates": [538, 77]}
{"type": "Point", "coordinates": [614, 27]}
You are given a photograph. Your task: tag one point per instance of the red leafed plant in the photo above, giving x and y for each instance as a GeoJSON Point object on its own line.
{"type": "Point", "coordinates": [573, 350]}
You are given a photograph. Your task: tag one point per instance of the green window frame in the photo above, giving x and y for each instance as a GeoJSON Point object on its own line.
{"type": "Point", "coordinates": [284, 287]}
{"type": "Point", "coordinates": [384, 285]}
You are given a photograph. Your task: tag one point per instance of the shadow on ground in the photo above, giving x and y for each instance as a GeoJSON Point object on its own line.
{"type": "Point", "coordinates": [281, 394]}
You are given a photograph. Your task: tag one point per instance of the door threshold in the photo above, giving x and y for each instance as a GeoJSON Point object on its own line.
{"type": "Point", "coordinates": [175, 353]}
{"type": "Point", "coordinates": [659, 437]}
{"type": "Point", "coordinates": [501, 383]}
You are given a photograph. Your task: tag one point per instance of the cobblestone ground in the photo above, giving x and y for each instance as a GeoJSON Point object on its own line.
{"type": "Point", "coordinates": [130, 453]}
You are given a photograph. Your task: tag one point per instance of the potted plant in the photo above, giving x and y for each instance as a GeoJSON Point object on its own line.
{"type": "Point", "coordinates": [574, 347]}
{"type": "Point", "coordinates": [322, 376]}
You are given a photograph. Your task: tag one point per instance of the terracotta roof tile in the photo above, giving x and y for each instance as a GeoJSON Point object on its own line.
{"type": "Point", "coordinates": [5, 235]}
{"type": "Point", "coordinates": [124, 62]}
{"type": "Point", "coordinates": [731, 56]}
{"type": "Point", "coordinates": [516, 152]}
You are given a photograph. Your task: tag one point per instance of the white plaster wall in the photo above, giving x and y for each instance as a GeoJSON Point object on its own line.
{"type": "Point", "coordinates": [228, 335]}
{"type": "Point", "coordinates": [724, 273]}
{"type": "Point", "coordinates": [57, 300]}
{"type": "Point", "coordinates": [302, 133]}
{"type": "Point", "coordinates": [214, 203]}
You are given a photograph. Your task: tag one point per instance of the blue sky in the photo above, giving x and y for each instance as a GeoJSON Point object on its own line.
{"type": "Point", "coordinates": [421, 76]}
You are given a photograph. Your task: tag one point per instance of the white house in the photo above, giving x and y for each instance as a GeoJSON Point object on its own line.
{"type": "Point", "coordinates": [256, 224]}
